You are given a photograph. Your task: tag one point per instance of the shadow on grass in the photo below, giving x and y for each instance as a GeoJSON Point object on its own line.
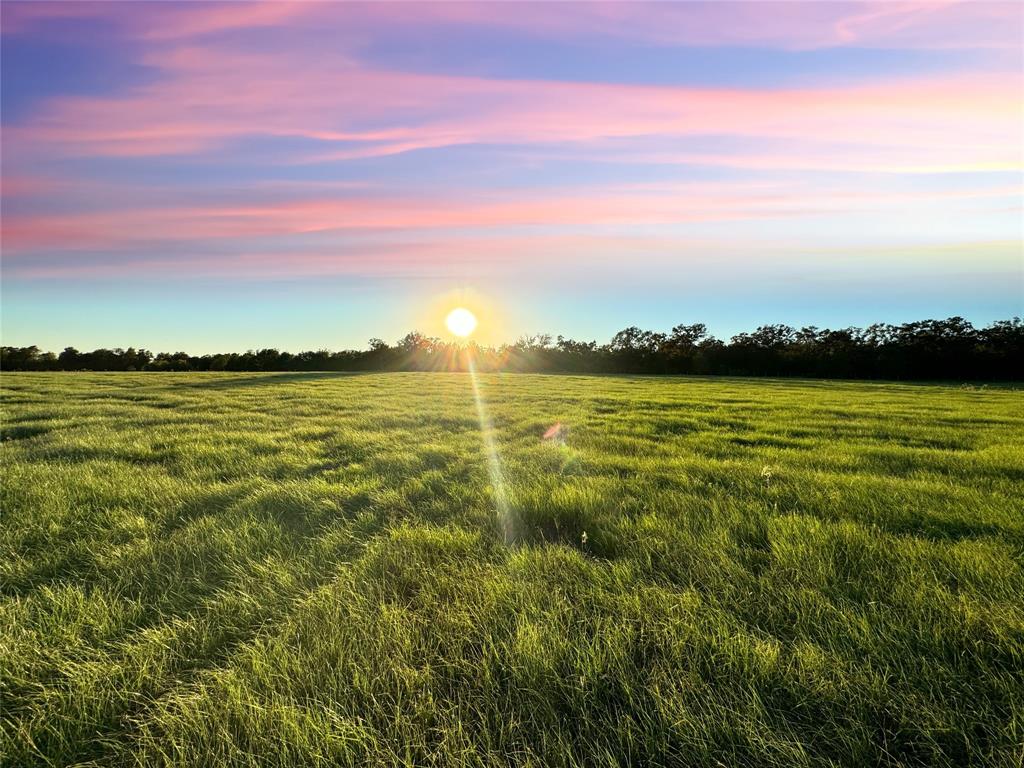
{"type": "Point", "coordinates": [272, 378]}
{"type": "Point", "coordinates": [21, 431]}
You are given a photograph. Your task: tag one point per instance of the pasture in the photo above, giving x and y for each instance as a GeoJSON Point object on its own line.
{"type": "Point", "coordinates": [330, 569]}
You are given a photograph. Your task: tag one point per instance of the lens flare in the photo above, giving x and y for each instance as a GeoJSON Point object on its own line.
{"type": "Point", "coordinates": [461, 322]}
{"type": "Point", "coordinates": [502, 506]}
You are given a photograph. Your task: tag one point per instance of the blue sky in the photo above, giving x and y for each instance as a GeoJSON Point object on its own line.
{"type": "Point", "coordinates": [207, 176]}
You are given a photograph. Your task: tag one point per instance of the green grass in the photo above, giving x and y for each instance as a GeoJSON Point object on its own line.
{"type": "Point", "coordinates": [309, 570]}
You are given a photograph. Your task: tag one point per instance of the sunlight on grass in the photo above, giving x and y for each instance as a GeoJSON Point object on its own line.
{"type": "Point", "coordinates": [497, 478]}
{"type": "Point", "coordinates": [297, 570]}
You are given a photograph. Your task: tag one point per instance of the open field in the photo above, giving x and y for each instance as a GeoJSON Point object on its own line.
{"type": "Point", "coordinates": [309, 569]}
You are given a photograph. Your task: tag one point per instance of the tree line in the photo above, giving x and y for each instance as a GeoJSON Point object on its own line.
{"type": "Point", "coordinates": [951, 349]}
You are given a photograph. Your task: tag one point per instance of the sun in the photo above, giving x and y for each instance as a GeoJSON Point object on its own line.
{"type": "Point", "coordinates": [461, 322]}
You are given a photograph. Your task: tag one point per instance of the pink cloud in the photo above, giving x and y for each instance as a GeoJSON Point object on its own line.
{"type": "Point", "coordinates": [128, 228]}
{"type": "Point", "coordinates": [426, 256]}
{"type": "Point", "coordinates": [209, 98]}
{"type": "Point", "coordinates": [207, 94]}
{"type": "Point", "coordinates": [12, 186]}
{"type": "Point", "coordinates": [210, 95]}
{"type": "Point", "coordinates": [155, 20]}
{"type": "Point", "coordinates": [195, 19]}
{"type": "Point", "coordinates": [793, 25]}
{"type": "Point", "coordinates": [440, 256]}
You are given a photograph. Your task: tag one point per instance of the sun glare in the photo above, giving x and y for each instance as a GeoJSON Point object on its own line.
{"type": "Point", "coordinates": [461, 321]}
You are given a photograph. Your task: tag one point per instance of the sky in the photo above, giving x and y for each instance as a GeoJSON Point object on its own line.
{"type": "Point", "coordinates": [224, 176]}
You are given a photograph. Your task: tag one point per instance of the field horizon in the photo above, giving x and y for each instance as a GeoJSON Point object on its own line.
{"type": "Point", "coordinates": [952, 349]}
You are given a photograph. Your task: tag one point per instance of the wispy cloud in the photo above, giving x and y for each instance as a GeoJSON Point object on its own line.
{"type": "Point", "coordinates": [126, 228]}
{"type": "Point", "coordinates": [208, 99]}
{"type": "Point", "coordinates": [921, 24]}
{"type": "Point", "coordinates": [268, 140]}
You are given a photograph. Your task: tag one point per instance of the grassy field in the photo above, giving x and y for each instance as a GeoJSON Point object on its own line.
{"type": "Point", "coordinates": [320, 569]}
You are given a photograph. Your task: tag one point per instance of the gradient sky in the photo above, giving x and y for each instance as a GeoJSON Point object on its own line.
{"type": "Point", "coordinates": [209, 177]}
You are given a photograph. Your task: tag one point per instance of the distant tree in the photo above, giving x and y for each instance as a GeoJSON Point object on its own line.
{"type": "Point", "coordinates": [69, 359]}
{"type": "Point", "coordinates": [688, 335]}
{"type": "Point", "coordinates": [928, 349]}
{"type": "Point", "coordinates": [681, 347]}
{"type": "Point", "coordinates": [19, 358]}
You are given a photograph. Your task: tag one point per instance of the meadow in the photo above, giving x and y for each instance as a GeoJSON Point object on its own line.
{"type": "Point", "coordinates": [345, 569]}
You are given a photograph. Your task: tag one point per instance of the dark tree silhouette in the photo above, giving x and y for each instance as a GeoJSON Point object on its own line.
{"type": "Point", "coordinates": [950, 349]}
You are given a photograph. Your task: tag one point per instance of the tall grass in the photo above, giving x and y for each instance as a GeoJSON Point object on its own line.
{"type": "Point", "coordinates": [309, 570]}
